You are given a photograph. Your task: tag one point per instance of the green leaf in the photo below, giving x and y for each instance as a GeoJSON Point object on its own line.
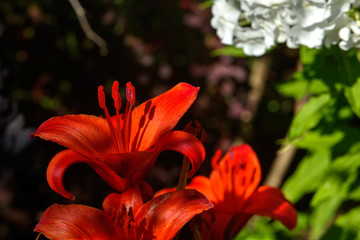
{"type": "Point", "coordinates": [317, 139]}
{"type": "Point", "coordinates": [330, 187]}
{"type": "Point", "coordinates": [318, 86]}
{"type": "Point", "coordinates": [354, 191]}
{"type": "Point", "coordinates": [257, 228]}
{"type": "Point", "coordinates": [350, 220]}
{"type": "Point", "coordinates": [299, 232]}
{"type": "Point", "coordinates": [322, 216]}
{"type": "Point", "coordinates": [344, 112]}
{"type": "Point", "coordinates": [352, 95]}
{"type": "Point", "coordinates": [308, 116]}
{"type": "Point", "coordinates": [205, 4]}
{"type": "Point", "coordinates": [348, 162]}
{"type": "Point", "coordinates": [263, 228]}
{"type": "Point", "coordinates": [308, 175]}
{"type": "Point", "coordinates": [326, 201]}
{"type": "Point", "coordinates": [229, 51]}
{"type": "Point", "coordinates": [346, 226]}
{"type": "Point", "coordinates": [355, 194]}
{"type": "Point", "coordinates": [308, 55]}
{"type": "Point", "coordinates": [296, 88]}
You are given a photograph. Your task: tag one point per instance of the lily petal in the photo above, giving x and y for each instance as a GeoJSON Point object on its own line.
{"type": "Point", "coordinates": [131, 198]}
{"type": "Point", "coordinates": [66, 158]}
{"type": "Point", "coordinates": [167, 214]}
{"type": "Point", "coordinates": [236, 223]}
{"type": "Point", "coordinates": [74, 221]}
{"type": "Point", "coordinates": [85, 134]}
{"type": "Point", "coordinates": [203, 185]}
{"type": "Point", "coordinates": [159, 115]}
{"type": "Point", "coordinates": [199, 183]}
{"type": "Point", "coordinates": [129, 164]}
{"type": "Point", "coordinates": [138, 164]}
{"type": "Point", "coordinates": [243, 167]}
{"type": "Point", "coordinates": [268, 201]}
{"type": "Point", "coordinates": [186, 144]}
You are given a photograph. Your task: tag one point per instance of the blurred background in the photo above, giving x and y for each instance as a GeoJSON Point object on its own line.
{"type": "Point", "coordinates": [49, 67]}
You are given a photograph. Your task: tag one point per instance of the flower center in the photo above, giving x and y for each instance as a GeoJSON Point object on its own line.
{"type": "Point", "coordinates": [120, 134]}
{"type": "Point", "coordinates": [124, 221]}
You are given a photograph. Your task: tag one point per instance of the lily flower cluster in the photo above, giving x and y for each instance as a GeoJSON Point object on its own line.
{"type": "Point", "coordinates": [122, 150]}
{"type": "Point", "coordinates": [257, 26]}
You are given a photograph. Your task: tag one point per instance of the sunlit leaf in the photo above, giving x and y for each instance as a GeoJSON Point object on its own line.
{"type": "Point", "coordinates": [326, 201]}
{"type": "Point", "coordinates": [317, 139]}
{"type": "Point", "coordinates": [257, 228]}
{"type": "Point", "coordinates": [345, 227]}
{"type": "Point", "coordinates": [296, 88]}
{"type": "Point", "coordinates": [308, 116]}
{"type": "Point", "coordinates": [348, 162]}
{"type": "Point", "coordinates": [307, 55]}
{"type": "Point", "coordinates": [308, 175]}
{"type": "Point", "coordinates": [352, 94]}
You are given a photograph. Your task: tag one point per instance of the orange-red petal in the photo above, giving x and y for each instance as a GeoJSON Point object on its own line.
{"type": "Point", "coordinates": [134, 164]}
{"type": "Point", "coordinates": [165, 215]}
{"type": "Point", "coordinates": [137, 165]}
{"type": "Point", "coordinates": [199, 183]}
{"type": "Point", "coordinates": [159, 115]}
{"type": "Point", "coordinates": [186, 144]}
{"type": "Point", "coordinates": [60, 222]}
{"type": "Point", "coordinates": [63, 160]}
{"type": "Point", "coordinates": [131, 198]}
{"type": "Point", "coordinates": [203, 185]}
{"type": "Point", "coordinates": [242, 164]}
{"type": "Point", "coordinates": [84, 134]}
{"type": "Point", "coordinates": [269, 201]}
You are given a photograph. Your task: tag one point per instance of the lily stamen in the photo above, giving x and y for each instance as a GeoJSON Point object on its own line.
{"type": "Point", "coordinates": [117, 104]}
{"type": "Point", "coordinates": [101, 98]}
{"type": "Point", "coordinates": [130, 96]}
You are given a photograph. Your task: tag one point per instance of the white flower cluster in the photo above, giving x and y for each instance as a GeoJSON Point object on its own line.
{"type": "Point", "coordinates": [257, 25]}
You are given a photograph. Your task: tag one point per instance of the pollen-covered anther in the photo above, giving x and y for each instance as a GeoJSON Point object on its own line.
{"type": "Point", "coordinates": [130, 94]}
{"type": "Point", "coordinates": [116, 95]}
{"type": "Point", "coordinates": [101, 97]}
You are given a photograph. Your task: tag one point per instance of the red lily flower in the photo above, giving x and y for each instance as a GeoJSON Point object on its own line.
{"type": "Point", "coordinates": [233, 188]}
{"type": "Point", "coordinates": [125, 216]}
{"type": "Point", "coordinates": [122, 148]}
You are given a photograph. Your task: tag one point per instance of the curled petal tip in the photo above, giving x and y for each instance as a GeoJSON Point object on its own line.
{"type": "Point", "coordinates": [69, 196]}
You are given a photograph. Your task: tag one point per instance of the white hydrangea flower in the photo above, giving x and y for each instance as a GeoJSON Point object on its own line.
{"type": "Point", "coordinates": [350, 36]}
{"type": "Point", "coordinates": [258, 25]}
{"type": "Point", "coordinates": [225, 19]}
{"type": "Point", "coordinates": [310, 14]}
{"type": "Point", "coordinates": [312, 38]}
{"type": "Point", "coordinates": [255, 41]}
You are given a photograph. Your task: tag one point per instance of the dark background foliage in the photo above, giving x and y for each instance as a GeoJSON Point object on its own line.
{"type": "Point", "coordinates": [48, 67]}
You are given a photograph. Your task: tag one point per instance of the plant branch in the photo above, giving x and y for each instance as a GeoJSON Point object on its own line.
{"type": "Point", "coordinates": [80, 13]}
